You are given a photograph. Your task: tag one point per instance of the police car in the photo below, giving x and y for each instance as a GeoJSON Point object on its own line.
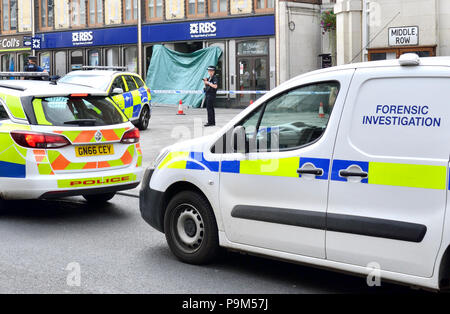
{"type": "Point", "coordinates": [64, 140]}
{"type": "Point", "coordinates": [343, 168]}
{"type": "Point", "coordinates": [127, 89]}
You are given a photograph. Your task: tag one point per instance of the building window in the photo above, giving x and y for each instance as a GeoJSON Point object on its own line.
{"type": "Point", "coordinates": [9, 15]}
{"type": "Point", "coordinates": [131, 59]}
{"type": "Point", "coordinates": [46, 9]}
{"type": "Point", "coordinates": [218, 7]}
{"type": "Point", "coordinates": [195, 8]}
{"type": "Point", "coordinates": [264, 5]}
{"type": "Point", "coordinates": [376, 54]}
{"type": "Point", "coordinates": [77, 12]}
{"type": "Point", "coordinates": [112, 56]}
{"type": "Point", "coordinates": [95, 12]}
{"type": "Point", "coordinates": [130, 11]}
{"type": "Point", "coordinates": [154, 9]}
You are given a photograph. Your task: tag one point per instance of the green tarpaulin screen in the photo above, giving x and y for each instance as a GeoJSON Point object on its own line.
{"type": "Point", "coordinates": [172, 70]}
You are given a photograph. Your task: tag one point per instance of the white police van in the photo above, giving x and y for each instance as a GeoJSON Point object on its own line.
{"type": "Point", "coordinates": [344, 168]}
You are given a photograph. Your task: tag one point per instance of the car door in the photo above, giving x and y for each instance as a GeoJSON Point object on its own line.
{"type": "Point", "coordinates": [275, 196]}
{"type": "Point", "coordinates": [118, 82]}
{"type": "Point", "coordinates": [389, 174]}
{"type": "Point", "coordinates": [135, 95]}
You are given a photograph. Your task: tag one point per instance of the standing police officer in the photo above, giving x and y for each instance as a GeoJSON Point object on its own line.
{"type": "Point", "coordinates": [33, 67]}
{"type": "Point", "coordinates": [211, 85]}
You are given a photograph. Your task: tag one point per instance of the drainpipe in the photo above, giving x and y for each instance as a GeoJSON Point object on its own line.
{"type": "Point", "coordinates": [365, 30]}
{"type": "Point", "coordinates": [139, 43]}
{"type": "Point", "coordinates": [277, 42]}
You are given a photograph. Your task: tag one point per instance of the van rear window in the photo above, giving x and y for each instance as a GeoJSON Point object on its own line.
{"type": "Point", "coordinates": [77, 111]}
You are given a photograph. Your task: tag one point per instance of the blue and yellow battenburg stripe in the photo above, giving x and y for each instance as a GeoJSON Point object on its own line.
{"type": "Point", "coordinates": [379, 173]}
{"type": "Point", "coordinates": [12, 156]}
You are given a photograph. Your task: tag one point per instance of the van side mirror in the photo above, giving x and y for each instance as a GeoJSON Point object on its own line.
{"type": "Point", "coordinates": [239, 140]}
{"type": "Point", "coordinates": [117, 91]}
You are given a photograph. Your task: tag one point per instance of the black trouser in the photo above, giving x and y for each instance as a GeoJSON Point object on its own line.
{"type": "Point", "coordinates": [209, 103]}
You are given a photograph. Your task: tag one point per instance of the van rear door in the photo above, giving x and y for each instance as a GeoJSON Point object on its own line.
{"type": "Point", "coordinates": [389, 171]}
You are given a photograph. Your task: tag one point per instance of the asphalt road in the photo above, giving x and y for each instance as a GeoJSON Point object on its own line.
{"type": "Point", "coordinates": [42, 243]}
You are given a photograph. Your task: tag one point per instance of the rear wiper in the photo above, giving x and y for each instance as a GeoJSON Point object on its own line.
{"type": "Point", "coordinates": [82, 122]}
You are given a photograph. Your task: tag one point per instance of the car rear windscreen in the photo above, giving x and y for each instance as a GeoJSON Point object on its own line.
{"type": "Point", "coordinates": [77, 111]}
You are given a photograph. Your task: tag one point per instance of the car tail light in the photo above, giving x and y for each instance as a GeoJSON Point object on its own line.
{"type": "Point", "coordinates": [148, 90]}
{"type": "Point", "coordinates": [130, 137]}
{"type": "Point", "coordinates": [39, 140]}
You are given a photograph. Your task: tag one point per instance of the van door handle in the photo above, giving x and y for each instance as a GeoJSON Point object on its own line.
{"type": "Point", "coordinates": [316, 171]}
{"type": "Point", "coordinates": [346, 174]}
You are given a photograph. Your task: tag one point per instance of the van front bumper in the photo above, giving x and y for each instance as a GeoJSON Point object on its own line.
{"type": "Point", "coordinates": [151, 203]}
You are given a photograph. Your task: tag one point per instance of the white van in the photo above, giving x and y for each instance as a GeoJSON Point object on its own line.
{"type": "Point", "coordinates": [344, 168]}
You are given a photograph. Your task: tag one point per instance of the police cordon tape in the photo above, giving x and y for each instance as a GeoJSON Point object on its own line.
{"type": "Point", "coordinates": [197, 92]}
{"type": "Point", "coordinates": [230, 92]}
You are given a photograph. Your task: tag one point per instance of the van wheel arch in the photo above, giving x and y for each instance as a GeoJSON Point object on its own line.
{"type": "Point", "coordinates": [176, 188]}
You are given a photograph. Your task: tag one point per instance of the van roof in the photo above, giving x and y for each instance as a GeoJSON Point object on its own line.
{"type": "Point", "coordinates": [23, 88]}
{"type": "Point", "coordinates": [426, 61]}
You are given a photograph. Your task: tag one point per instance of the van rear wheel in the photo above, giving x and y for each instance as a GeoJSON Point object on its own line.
{"type": "Point", "coordinates": [191, 228]}
{"type": "Point", "coordinates": [99, 198]}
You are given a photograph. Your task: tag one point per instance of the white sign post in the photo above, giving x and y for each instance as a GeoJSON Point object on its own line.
{"type": "Point", "coordinates": [404, 36]}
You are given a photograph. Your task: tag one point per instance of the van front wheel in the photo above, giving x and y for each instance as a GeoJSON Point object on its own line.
{"type": "Point", "coordinates": [191, 228]}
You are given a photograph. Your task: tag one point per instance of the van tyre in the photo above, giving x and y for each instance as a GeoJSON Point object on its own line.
{"type": "Point", "coordinates": [144, 119]}
{"type": "Point", "coordinates": [191, 228]}
{"type": "Point", "coordinates": [99, 198]}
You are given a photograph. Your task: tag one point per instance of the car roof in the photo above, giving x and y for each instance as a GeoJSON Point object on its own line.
{"type": "Point", "coordinates": [25, 88]}
{"type": "Point", "coordinates": [100, 72]}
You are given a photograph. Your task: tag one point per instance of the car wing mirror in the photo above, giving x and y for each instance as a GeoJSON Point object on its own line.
{"type": "Point", "coordinates": [239, 140]}
{"type": "Point", "coordinates": [117, 91]}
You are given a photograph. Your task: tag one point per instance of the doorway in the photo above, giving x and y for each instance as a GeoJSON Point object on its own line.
{"type": "Point", "coordinates": [253, 75]}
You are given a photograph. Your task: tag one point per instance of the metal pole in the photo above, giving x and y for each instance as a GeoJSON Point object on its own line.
{"type": "Point", "coordinates": [33, 30]}
{"type": "Point", "coordinates": [139, 29]}
{"type": "Point", "coordinates": [365, 30]}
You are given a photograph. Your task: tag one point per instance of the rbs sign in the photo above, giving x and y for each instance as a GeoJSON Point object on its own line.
{"type": "Point", "coordinates": [203, 29]}
{"type": "Point", "coordinates": [82, 38]}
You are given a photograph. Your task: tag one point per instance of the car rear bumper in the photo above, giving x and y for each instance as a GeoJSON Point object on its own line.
{"type": "Point", "coordinates": [151, 203]}
{"type": "Point", "coordinates": [68, 184]}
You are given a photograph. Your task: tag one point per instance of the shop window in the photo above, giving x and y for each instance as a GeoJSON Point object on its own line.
{"type": "Point", "coordinates": [95, 12]}
{"type": "Point", "coordinates": [78, 13]}
{"type": "Point", "coordinates": [130, 11]}
{"type": "Point", "coordinates": [23, 60]}
{"type": "Point", "coordinates": [60, 63]}
{"type": "Point", "coordinates": [112, 56]}
{"type": "Point", "coordinates": [44, 59]}
{"type": "Point", "coordinates": [93, 57]}
{"type": "Point", "coordinates": [46, 12]}
{"type": "Point", "coordinates": [252, 47]}
{"type": "Point", "coordinates": [218, 7]}
{"type": "Point", "coordinates": [8, 62]}
{"type": "Point", "coordinates": [393, 53]}
{"type": "Point", "coordinates": [130, 54]}
{"type": "Point", "coordinates": [264, 5]}
{"type": "Point", "coordinates": [195, 8]}
{"type": "Point", "coordinates": [76, 60]}
{"type": "Point", "coordinates": [154, 9]}
{"type": "Point", "coordinates": [220, 67]}
{"type": "Point", "coordinates": [9, 16]}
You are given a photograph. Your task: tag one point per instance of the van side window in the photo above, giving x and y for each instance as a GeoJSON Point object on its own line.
{"type": "Point", "coordinates": [3, 113]}
{"type": "Point", "coordinates": [293, 119]}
